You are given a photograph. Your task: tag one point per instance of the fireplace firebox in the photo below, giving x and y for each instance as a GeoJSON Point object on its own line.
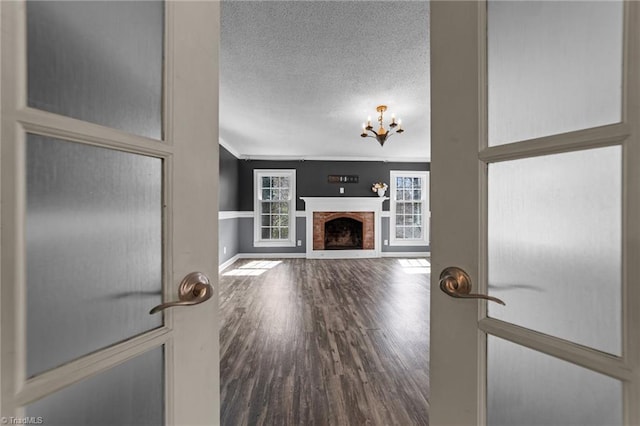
{"type": "Point", "coordinates": [351, 230]}
{"type": "Point", "coordinates": [343, 233]}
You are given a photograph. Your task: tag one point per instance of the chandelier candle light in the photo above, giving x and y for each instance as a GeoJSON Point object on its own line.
{"type": "Point", "coordinates": [382, 134]}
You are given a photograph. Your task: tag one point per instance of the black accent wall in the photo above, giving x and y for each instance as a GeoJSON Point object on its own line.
{"type": "Point", "coordinates": [229, 194]}
{"type": "Point", "coordinates": [311, 178]}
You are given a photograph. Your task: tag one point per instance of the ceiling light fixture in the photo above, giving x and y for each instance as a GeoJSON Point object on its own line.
{"type": "Point", "coordinates": [382, 134]}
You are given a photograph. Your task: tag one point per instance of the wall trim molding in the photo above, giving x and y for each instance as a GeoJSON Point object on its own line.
{"type": "Point", "coordinates": [229, 214]}
{"type": "Point", "coordinates": [239, 256]}
{"type": "Point", "coordinates": [224, 143]}
{"type": "Point", "coordinates": [247, 214]}
{"type": "Point", "coordinates": [226, 264]}
{"type": "Point", "coordinates": [229, 148]}
{"type": "Point", "coordinates": [405, 254]}
{"type": "Point", "coordinates": [234, 214]}
{"type": "Point", "coordinates": [332, 158]}
{"type": "Point", "coordinates": [271, 255]}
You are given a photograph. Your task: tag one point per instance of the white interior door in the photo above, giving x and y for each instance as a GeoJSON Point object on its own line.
{"type": "Point", "coordinates": [109, 170]}
{"type": "Point", "coordinates": [536, 195]}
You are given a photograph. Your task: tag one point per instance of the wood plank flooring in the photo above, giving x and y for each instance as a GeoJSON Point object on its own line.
{"type": "Point", "coordinates": [325, 342]}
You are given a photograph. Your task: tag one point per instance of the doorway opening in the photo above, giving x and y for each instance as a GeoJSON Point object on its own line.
{"type": "Point", "coordinates": [342, 339]}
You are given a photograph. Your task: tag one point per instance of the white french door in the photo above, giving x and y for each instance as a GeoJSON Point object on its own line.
{"type": "Point", "coordinates": [536, 195]}
{"type": "Point", "coordinates": [109, 169]}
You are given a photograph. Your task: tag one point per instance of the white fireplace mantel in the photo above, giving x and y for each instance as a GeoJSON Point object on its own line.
{"type": "Point", "coordinates": [343, 204]}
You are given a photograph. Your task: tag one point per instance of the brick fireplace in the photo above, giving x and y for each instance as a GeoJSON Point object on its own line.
{"type": "Point", "coordinates": [344, 236]}
{"type": "Point", "coordinates": [343, 227]}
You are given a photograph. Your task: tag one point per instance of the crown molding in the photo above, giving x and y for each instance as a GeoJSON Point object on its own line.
{"type": "Point", "coordinates": [340, 158]}
{"type": "Point", "coordinates": [239, 156]}
{"type": "Point", "coordinates": [226, 145]}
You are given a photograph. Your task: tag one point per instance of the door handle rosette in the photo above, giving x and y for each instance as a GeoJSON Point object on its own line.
{"type": "Point", "coordinates": [457, 283]}
{"type": "Point", "coordinates": [194, 289]}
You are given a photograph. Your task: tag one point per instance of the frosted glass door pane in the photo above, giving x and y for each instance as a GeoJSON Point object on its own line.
{"type": "Point", "coordinates": [99, 61]}
{"type": "Point", "coordinates": [131, 393]}
{"type": "Point", "coordinates": [553, 67]}
{"type": "Point", "coordinates": [555, 245]}
{"type": "Point", "coordinates": [94, 248]}
{"type": "Point", "coordinates": [528, 388]}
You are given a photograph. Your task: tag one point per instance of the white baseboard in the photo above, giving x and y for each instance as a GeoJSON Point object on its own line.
{"type": "Point", "coordinates": [225, 265]}
{"type": "Point", "coordinates": [406, 254]}
{"type": "Point", "coordinates": [271, 255]}
{"type": "Point", "coordinates": [239, 256]}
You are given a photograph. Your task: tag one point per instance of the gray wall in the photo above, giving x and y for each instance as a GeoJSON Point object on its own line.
{"type": "Point", "coordinates": [246, 238]}
{"type": "Point", "coordinates": [229, 198]}
{"type": "Point", "coordinates": [397, 249]}
{"type": "Point", "coordinates": [311, 178]}
{"type": "Point", "coordinates": [311, 181]}
{"type": "Point", "coordinates": [228, 238]}
{"type": "Point", "coordinates": [236, 194]}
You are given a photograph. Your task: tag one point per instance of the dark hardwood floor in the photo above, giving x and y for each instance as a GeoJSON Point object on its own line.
{"type": "Point", "coordinates": [325, 342]}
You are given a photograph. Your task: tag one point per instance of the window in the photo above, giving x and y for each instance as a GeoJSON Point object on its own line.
{"type": "Point", "coordinates": [409, 222]}
{"type": "Point", "coordinates": [274, 208]}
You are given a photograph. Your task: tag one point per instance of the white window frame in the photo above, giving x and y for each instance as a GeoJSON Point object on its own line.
{"type": "Point", "coordinates": [258, 174]}
{"type": "Point", "coordinates": [426, 214]}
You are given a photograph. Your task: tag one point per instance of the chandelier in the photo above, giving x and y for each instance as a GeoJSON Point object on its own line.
{"type": "Point", "coordinates": [382, 134]}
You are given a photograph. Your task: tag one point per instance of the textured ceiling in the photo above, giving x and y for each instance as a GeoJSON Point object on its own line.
{"type": "Point", "coordinates": [298, 78]}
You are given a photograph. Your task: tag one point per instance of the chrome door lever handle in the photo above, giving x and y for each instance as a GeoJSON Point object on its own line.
{"type": "Point", "coordinates": [194, 289]}
{"type": "Point", "coordinates": [457, 283]}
